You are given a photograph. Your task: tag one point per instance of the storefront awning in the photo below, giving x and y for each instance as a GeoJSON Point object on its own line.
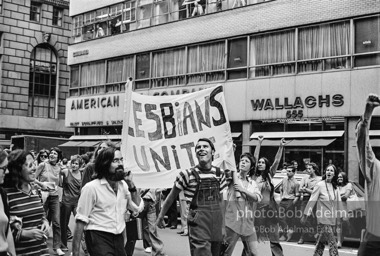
{"type": "Point", "coordinates": [88, 144]}
{"type": "Point", "coordinates": [295, 135]}
{"type": "Point", "coordinates": [235, 135]}
{"type": "Point", "coordinates": [70, 144]}
{"type": "Point", "coordinates": [293, 143]}
{"type": "Point", "coordinates": [95, 137]}
{"type": "Point", "coordinates": [374, 133]}
{"type": "Point", "coordinates": [375, 142]}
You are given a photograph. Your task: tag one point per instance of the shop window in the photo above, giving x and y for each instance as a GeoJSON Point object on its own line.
{"type": "Point", "coordinates": [42, 82]}
{"type": "Point", "coordinates": [237, 58]}
{"type": "Point", "coordinates": [206, 63]}
{"type": "Point", "coordinates": [320, 47]}
{"type": "Point", "coordinates": [57, 16]}
{"type": "Point", "coordinates": [142, 71]}
{"type": "Point", "coordinates": [115, 14]}
{"type": "Point", "coordinates": [272, 54]}
{"type": "Point", "coordinates": [35, 11]}
{"type": "Point", "coordinates": [367, 42]}
{"type": "Point", "coordinates": [168, 67]}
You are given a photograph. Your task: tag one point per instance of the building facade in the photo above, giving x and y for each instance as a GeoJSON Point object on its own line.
{"type": "Point", "coordinates": [34, 36]}
{"type": "Point", "coordinates": [299, 70]}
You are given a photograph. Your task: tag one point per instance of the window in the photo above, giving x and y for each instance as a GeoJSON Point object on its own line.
{"type": "Point", "coordinates": [35, 11]}
{"type": "Point", "coordinates": [74, 77]}
{"type": "Point", "coordinates": [77, 27]}
{"type": "Point", "coordinates": [144, 13]}
{"type": "Point", "coordinates": [118, 72]}
{"type": "Point", "coordinates": [319, 47]}
{"type": "Point", "coordinates": [142, 71]}
{"type": "Point", "coordinates": [206, 62]}
{"type": "Point", "coordinates": [88, 29]}
{"type": "Point", "coordinates": [1, 6]}
{"type": "Point", "coordinates": [168, 67]}
{"type": "Point", "coordinates": [237, 58]}
{"type": "Point", "coordinates": [277, 49]}
{"type": "Point", "coordinates": [42, 82]}
{"type": "Point", "coordinates": [101, 26]}
{"type": "Point", "coordinates": [115, 19]}
{"type": "Point", "coordinates": [57, 16]}
{"type": "Point", "coordinates": [129, 15]}
{"type": "Point", "coordinates": [367, 38]}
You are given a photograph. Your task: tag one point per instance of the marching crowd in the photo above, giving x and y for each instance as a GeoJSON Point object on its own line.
{"type": "Point", "coordinates": [42, 190]}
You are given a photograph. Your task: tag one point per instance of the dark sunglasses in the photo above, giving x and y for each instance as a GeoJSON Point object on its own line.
{"type": "Point", "coordinates": [43, 156]}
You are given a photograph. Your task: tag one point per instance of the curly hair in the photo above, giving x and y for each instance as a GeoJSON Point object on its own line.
{"type": "Point", "coordinates": [103, 162]}
{"type": "Point", "coordinates": [77, 158]}
{"type": "Point", "coordinates": [16, 159]}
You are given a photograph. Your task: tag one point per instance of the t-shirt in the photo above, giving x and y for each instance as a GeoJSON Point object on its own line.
{"type": "Point", "coordinates": [187, 182]}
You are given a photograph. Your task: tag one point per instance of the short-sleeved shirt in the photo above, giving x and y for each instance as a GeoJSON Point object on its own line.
{"type": "Point", "coordinates": [290, 188]}
{"type": "Point", "coordinates": [101, 209]}
{"type": "Point", "coordinates": [344, 189]}
{"type": "Point", "coordinates": [187, 182]}
{"type": "Point", "coordinates": [50, 173]}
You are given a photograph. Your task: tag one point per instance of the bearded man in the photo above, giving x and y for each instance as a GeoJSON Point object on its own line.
{"type": "Point", "coordinates": [102, 206]}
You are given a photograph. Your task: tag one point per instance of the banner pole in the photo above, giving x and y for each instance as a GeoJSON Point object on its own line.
{"type": "Point", "coordinates": [127, 108]}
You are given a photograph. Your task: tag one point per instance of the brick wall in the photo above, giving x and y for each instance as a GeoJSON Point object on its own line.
{"type": "Point", "coordinates": [266, 16]}
{"type": "Point", "coordinates": [19, 37]}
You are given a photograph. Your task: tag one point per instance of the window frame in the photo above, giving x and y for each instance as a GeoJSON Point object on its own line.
{"type": "Point", "coordinates": [35, 13]}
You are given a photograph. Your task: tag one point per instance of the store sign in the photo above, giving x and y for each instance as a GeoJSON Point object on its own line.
{"type": "Point", "coordinates": [105, 110]}
{"type": "Point", "coordinates": [296, 106]}
{"type": "Point", "coordinates": [80, 53]}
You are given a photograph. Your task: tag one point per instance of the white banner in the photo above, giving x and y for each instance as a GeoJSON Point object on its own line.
{"type": "Point", "coordinates": [164, 130]}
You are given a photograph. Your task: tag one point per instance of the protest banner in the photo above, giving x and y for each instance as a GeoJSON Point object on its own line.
{"type": "Point", "coordinates": [163, 131]}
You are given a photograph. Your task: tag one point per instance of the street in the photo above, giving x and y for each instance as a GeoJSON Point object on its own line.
{"type": "Point", "coordinates": [176, 245]}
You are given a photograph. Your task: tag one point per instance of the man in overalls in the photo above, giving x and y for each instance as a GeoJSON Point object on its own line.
{"type": "Point", "coordinates": [202, 186]}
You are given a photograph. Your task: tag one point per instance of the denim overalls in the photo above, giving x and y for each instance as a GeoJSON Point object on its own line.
{"type": "Point", "coordinates": [205, 219]}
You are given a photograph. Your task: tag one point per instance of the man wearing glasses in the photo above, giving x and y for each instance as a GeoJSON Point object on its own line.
{"type": "Point", "coordinates": [102, 206]}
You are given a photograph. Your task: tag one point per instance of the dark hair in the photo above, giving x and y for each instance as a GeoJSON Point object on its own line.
{"type": "Point", "coordinates": [3, 155]}
{"type": "Point", "coordinates": [42, 151]}
{"type": "Point", "coordinates": [109, 144]}
{"type": "Point", "coordinates": [291, 167]}
{"type": "Point", "coordinates": [208, 141]}
{"type": "Point", "coordinates": [251, 159]}
{"type": "Point", "coordinates": [345, 178]}
{"type": "Point", "coordinates": [16, 160]}
{"type": "Point", "coordinates": [103, 162]}
{"type": "Point", "coordinates": [334, 180]}
{"type": "Point", "coordinates": [85, 158]}
{"type": "Point", "coordinates": [315, 167]}
{"type": "Point", "coordinates": [266, 174]}
{"type": "Point", "coordinates": [59, 152]}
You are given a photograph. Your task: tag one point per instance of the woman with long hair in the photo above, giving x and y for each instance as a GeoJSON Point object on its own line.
{"type": "Point", "coordinates": [6, 240]}
{"type": "Point", "coordinates": [42, 156]}
{"type": "Point", "coordinates": [345, 191]}
{"type": "Point", "coordinates": [29, 225]}
{"type": "Point", "coordinates": [268, 208]}
{"type": "Point", "coordinates": [242, 227]}
{"type": "Point", "coordinates": [48, 176]}
{"type": "Point", "coordinates": [329, 208]}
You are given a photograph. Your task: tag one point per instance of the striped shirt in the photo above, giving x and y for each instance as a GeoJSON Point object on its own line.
{"type": "Point", "coordinates": [29, 208]}
{"type": "Point", "coordinates": [187, 182]}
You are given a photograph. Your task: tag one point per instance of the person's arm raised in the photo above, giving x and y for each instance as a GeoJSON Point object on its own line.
{"type": "Point", "coordinates": [277, 158]}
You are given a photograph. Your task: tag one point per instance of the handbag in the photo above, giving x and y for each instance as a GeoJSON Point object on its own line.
{"type": "Point", "coordinates": [354, 202]}
{"type": "Point", "coordinates": [134, 229]}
